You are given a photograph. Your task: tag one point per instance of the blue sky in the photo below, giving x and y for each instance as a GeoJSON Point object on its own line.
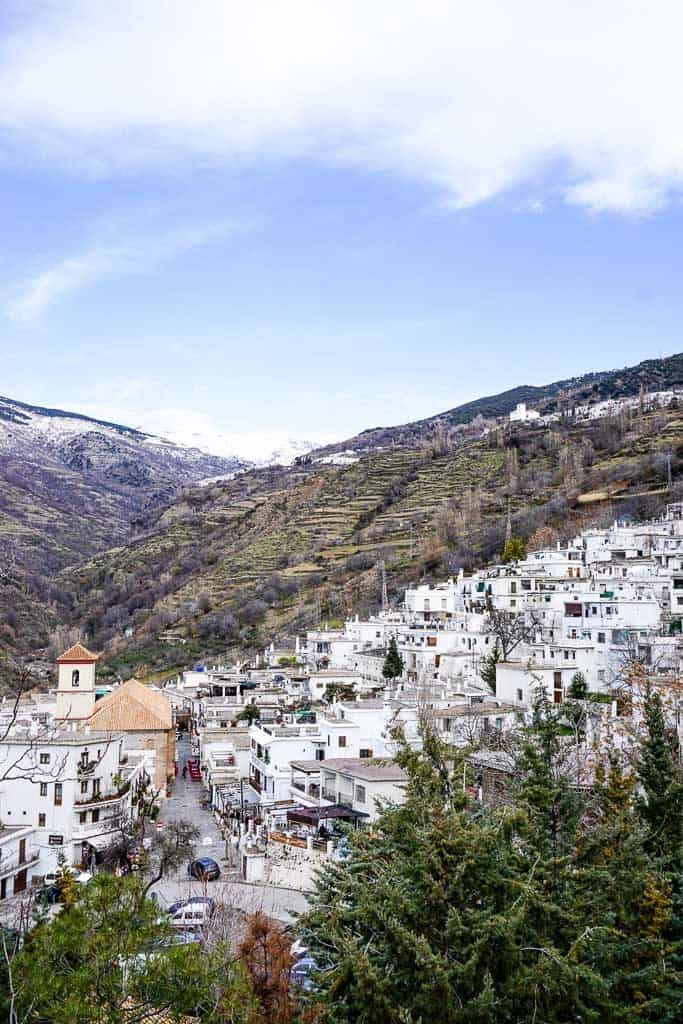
{"type": "Point", "coordinates": [238, 226]}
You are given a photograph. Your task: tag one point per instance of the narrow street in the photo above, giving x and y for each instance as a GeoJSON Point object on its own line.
{"type": "Point", "coordinates": [185, 803]}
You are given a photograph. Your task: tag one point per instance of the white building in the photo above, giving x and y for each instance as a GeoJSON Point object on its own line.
{"type": "Point", "coordinates": [19, 858]}
{"type": "Point", "coordinates": [73, 788]}
{"type": "Point", "coordinates": [520, 414]}
{"type": "Point", "coordinates": [359, 784]}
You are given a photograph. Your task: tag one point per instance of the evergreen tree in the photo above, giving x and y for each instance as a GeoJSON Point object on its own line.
{"type": "Point", "coordinates": [109, 959]}
{"type": "Point", "coordinates": [661, 804]}
{"type": "Point", "coordinates": [625, 904]}
{"type": "Point", "coordinates": [578, 687]}
{"type": "Point", "coordinates": [393, 663]}
{"type": "Point", "coordinates": [487, 669]}
{"type": "Point", "coordinates": [249, 713]}
{"type": "Point", "coordinates": [66, 883]}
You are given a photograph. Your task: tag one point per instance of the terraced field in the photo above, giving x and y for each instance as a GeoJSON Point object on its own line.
{"type": "Point", "coordinates": [277, 549]}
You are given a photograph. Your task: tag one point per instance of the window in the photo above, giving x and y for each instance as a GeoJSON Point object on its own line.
{"type": "Point", "coordinates": [84, 787]}
{"type": "Point", "coordinates": [41, 821]}
{"type": "Point", "coordinates": [58, 794]}
{"type": "Point", "coordinates": [601, 638]}
{"type": "Point", "coordinates": [75, 678]}
{"type": "Point", "coordinates": [360, 794]}
{"type": "Point", "coordinates": [43, 789]}
{"type": "Point", "coordinates": [365, 752]}
{"type": "Point", "coordinates": [95, 787]}
{"type": "Point", "coordinates": [341, 741]}
{"type": "Point", "coordinates": [82, 817]}
{"type": "Point", "coordinates": [320, 755]}
{"type": "Point", "coordinates": [44, 758]}
{"type": "Point", "coordinates": [520, 695]}
{"type": "Point", "coordinates": [95, 817]}
{"type": "Point", "coordinates": [601, 675]}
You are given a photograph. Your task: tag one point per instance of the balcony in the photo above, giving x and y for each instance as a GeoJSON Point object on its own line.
{"type": "Point", "coordinates": [329, 794]}
{"type": "Point", "coordinates": [11, 865]}
{"type": "Point", "coordinates": [104, 798]}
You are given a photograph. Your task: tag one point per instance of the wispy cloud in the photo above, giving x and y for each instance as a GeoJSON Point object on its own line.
{"type": "Point", "coordinates": [580, 101]}
{"type": "Point", "coordinates": [136, 255]}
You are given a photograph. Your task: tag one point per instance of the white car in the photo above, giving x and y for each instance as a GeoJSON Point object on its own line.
{"type": "Point", "coordinates": [82, 877]}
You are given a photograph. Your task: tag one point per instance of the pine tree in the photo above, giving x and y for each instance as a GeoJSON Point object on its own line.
{"type": "Point", "coordinates": [393, 663]}
{"type": "Point", "coordinates": [624, 903]}
{"type": "Point", "coordinates": [661, 805]}
{"type": "Point", "coordinates": [66, 883]}
{"type": "Point", "coordinates": [487, 669]}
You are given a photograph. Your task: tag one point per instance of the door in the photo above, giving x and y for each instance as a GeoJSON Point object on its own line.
{"type": "Point", "coordinates": [20, 882]}
{"type": "Point", "coordinates": [22, 851]}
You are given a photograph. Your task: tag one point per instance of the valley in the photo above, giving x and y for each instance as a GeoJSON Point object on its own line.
{"type": "Point", "coordinates": [233, 563]}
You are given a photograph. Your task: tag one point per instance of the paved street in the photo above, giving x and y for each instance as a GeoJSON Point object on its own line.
{"type": "Point", "coordinates": [185, 804]}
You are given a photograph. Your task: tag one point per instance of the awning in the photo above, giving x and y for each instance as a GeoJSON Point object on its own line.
{"type": "Point", "coordinates": [314, 815]}
{"type": "Point", "coordinates": [101, 842]}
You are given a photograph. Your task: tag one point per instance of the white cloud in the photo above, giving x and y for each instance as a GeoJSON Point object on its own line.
{"type": "Point", "coordinates": [136, 255]}
{"type": "Point", "coordinates": [580, 100]}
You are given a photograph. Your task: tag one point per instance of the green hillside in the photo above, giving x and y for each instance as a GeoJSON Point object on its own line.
{"type": "Point", "coordinates": [238, 563]}
{"type": "Point", "coordinates": [231, 565]}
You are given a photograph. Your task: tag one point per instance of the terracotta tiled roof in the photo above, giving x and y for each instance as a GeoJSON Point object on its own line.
{"type": "Point", "coordinates": [132, 707]}
{"type": "Point", "coordinates": [78, 653]}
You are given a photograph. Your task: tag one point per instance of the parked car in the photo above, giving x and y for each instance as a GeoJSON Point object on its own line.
{"type": "Point", "coordinates": [205, 869]}
{"type": "Point", "coordinates": [191, 914]}
{"type": "Point", "coordinates": [303, 967]}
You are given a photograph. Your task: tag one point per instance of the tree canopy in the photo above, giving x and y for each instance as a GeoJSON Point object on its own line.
{"type": "Point", "coordinates": [393, 663]}
{"type": "Point", "coordinates": [550, 908]}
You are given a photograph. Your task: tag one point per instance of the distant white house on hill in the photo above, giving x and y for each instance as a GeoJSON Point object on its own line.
{"type": "Point", "coordinates": [520, 414]}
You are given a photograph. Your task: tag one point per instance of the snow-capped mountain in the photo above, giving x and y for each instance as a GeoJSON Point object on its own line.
{"type": "Point", "coordinates": [71, 485]}
{"type": "Point", "coordinates": [97, 448]}
{"type": "Point", "coordinates": [256, 447]}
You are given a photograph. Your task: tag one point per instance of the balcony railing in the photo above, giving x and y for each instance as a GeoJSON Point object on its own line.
{"type": "Point", "coordinates": [102, 798]}
{"type": "Point", "coordinates": [12, 864]}
{"type": "Point", "coordinates": [329, 794]}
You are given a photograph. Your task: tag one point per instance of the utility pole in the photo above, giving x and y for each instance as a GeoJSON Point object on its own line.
{"type": "Point", "coordinates": [385, 593]}
{"type": "Point", "coordinates": [508, 524]}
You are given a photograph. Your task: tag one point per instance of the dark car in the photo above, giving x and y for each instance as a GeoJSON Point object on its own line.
{"type": "Point", "coordinates": [205, 869]}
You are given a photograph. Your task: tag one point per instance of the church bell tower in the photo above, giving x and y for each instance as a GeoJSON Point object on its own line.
{"type": "Point", "coordinates": [76, 684]}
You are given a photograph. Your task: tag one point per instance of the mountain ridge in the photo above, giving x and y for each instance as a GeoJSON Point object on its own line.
{"type": "Point", "coordinates": [593, 385]}
{"type": "Point", "coordinates": [235, 561]}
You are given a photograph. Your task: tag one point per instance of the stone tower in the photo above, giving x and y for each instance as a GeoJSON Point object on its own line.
{"type": "Point", "coordinates": [76, 685]}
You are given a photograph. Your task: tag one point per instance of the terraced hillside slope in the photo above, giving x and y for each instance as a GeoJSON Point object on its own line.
{"type": "Point", "coordinates": [236, 564]}
{"type": "Point", "coordinates": [71, 486]}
